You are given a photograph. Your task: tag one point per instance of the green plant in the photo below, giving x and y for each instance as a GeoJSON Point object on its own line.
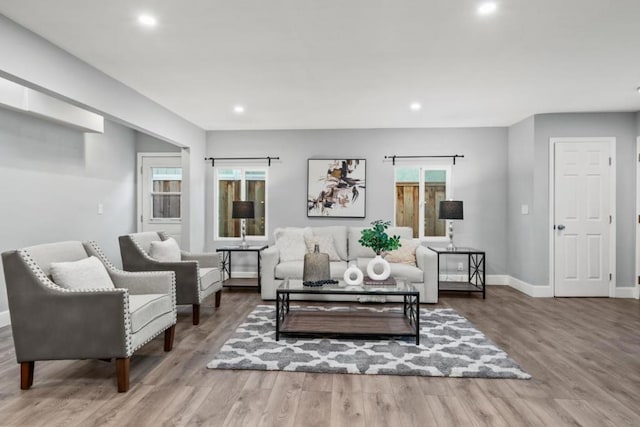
{"type": "Point", "coordinates": [377, 239]}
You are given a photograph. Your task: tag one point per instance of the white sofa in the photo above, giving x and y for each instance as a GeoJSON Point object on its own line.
{"type": "Point", "coordinates": [345, 239]}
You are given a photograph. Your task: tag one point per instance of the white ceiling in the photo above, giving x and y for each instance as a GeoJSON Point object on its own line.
{"type": "Point", "coordinates": [311, 64]}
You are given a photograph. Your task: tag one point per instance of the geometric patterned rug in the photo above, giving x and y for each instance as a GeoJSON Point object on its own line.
{"type": "Point", "coordinates": [450, 346]}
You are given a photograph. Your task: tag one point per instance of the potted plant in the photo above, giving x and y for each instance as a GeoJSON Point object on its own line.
{"type": "Point", "coordinates": [377, 239]}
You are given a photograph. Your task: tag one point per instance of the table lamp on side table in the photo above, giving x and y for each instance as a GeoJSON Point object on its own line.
{"type": "Point", "coordinates": [243, 211]}
{"type": "Point", "coordinates": [450, 210]}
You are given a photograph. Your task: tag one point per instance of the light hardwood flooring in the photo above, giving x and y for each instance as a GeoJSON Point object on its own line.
{"type": "Point", "coordinates": [583, 354]}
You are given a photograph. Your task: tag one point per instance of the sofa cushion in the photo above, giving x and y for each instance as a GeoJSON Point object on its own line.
{"type": "Point", "coordinates": [325, 244]}
{"type": "Point", "coordinates": [87, 273]}
{"type": "Point", "coordinates": [209, 276]}
{"type": "Point", "coordinates": [47, 253]}
{"type": "Point", "coordinates": [293, 269]}
{"type": "Point", "coordinates": [165, 250]}
{"type": "Point", "coordinates": [405, 254]}
{"type": "Point", "coordinates": [291, 243]}
{"type": "Point", "coordinates": [339, 234]}
{"type": "Point", "coordinates": [145, 308]}
{"type": "Point", "coordinates": [412, 273]}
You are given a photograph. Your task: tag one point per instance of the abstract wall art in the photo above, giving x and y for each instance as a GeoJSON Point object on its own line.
{"type": "Point", "coordinates": [336, 188]}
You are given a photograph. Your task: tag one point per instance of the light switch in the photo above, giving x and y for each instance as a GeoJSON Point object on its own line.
{"type": "Point", "coordinates": [100, 208]}
{"type": "Point", "coordinates": [524, 209]}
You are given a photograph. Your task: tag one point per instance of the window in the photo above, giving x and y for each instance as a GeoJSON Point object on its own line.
{"type": "Point", "coordinates": [166, 190]}
{"type": "Point", "coordinates": [233, 184]}
{"type": "Point", "coordinates": [419, 191]}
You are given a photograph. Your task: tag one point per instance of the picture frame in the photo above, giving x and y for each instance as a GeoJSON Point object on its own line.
{"type": "Point", "coordinates": [336, 188]}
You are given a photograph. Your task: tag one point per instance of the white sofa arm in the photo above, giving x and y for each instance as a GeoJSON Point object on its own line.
{"type": "Point", "coordinates": [427, 261]}
{"type": "Point", "coordinates": [268, 262]}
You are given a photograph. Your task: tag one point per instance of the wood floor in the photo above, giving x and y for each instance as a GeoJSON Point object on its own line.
{"type": "Point", "coordinates": [583, 354]}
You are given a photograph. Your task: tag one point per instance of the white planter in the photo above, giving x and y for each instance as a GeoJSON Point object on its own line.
{"type": "Point", "coordinates": [353, 275]}
{"type": "Point", "coordinates": [378, 262]}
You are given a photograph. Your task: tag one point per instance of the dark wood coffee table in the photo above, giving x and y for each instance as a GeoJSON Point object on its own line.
{"type": "Point", "coordinates": [349, 321]}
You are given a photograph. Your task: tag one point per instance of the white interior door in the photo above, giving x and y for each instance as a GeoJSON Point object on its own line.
{"type": "Point", "coordinates": [160, 194]}
{"type": "Point", "coordinates": [582, 220]}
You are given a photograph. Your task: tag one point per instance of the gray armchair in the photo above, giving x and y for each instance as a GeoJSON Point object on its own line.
{"type": "Point", "coordinates": [197, 275]}
{"type": "Point", "coordinates": [54, 323]}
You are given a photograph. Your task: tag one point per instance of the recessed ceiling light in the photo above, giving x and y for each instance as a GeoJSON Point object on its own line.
{"type": "Point", "coordinates": [415, 106]}
{"type": "Point", "coordinates": [147, 20]}
{"type": "Point", "coordinates": [487, 8]}
{"type": "Point", "coordinates": [238, 109]}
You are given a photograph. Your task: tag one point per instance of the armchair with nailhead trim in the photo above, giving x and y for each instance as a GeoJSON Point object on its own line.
{"type": "Point", "coordinates": [50, 322]}
{"type": "Point", "coordinates": [197, 275]}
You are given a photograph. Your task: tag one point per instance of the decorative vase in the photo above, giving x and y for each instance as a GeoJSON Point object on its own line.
{"type": "Point", "coordinates": [316, 266]}
{"type": "Point", "coordinates": [378, 261]}
{"type": "Point", "coordinates": [353, 275]}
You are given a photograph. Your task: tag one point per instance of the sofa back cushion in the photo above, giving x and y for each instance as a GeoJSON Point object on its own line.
{"type": "Point", "coordinates": [405, 254]}
{"type": "Point", "coordinates": [291, 243]}
{"type": "Point", "coordinates": [356, 250]}
{"type": "Point", "coordinates": [339, 235]}
{"type": "Point", "coordinates": [45, 254]}
{"type": "Point", "coordinates": [145, 238]}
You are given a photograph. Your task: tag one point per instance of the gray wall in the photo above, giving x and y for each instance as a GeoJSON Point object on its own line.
{"type": "Point", "coordinates": [623, 127]}
{"type": "Point", "coordinates": [53, 178]}
{"type": "Point", "coordinates": [148, 144]}
{"type": "Point", "coordinates": [520, 176]}
{"type": "Point", "coordinates": [41, 65]}
{"type": "Point", "coordinates": [479, 179]}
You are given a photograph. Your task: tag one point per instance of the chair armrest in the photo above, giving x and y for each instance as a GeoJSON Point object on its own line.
{"type": "Point", "coordinates": [206, 260]}
{"type": "Point", "coordinates": [151, 282]}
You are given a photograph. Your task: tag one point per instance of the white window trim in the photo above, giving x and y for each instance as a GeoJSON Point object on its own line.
{"type": "Point", "coordinates": [216, 213]}
{"type": "Point", "coordinates": [139, 219]}
{"type": "Point", "coordinates": [449, 195]}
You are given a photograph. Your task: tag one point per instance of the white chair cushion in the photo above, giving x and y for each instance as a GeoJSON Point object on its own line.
{"type": "Point", "coordinates": [326, 246]}
{"type": "Point", "coordinates": [405, 254]}
{"type": "Point", "coordinates": [88, 273]}
{"type": "Point", "coordinates": [166, 250]}
{"type": "Point", "coordinates": [209, 276]}
{"type": "Point", "coordinates": [145, 308]}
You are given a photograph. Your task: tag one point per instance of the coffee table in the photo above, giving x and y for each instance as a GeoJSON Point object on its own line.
{"type": "Point", "coordinates": [375, 323]}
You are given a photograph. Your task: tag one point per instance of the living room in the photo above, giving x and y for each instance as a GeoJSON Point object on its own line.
{"type": "Point", "coordinates": [63, 183]}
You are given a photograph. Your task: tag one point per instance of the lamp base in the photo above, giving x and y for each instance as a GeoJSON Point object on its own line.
{"type": "Point", "coordinates": [451, 246]}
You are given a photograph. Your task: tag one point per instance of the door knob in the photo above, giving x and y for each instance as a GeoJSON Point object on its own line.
{"type": "Point", "coordinates": [560, 226]}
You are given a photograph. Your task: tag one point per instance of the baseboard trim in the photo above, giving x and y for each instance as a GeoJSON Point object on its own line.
{"type": "Point", "coordinates": [498, 279]}
{"type": "Point", "coordinates": [529, 289]}
{"type": "Point", "coordinates": [5, 319]}
{"type": "Point", "coordinates": [628, 292]}
{"type": "Point", "coordinates": [244, 275]}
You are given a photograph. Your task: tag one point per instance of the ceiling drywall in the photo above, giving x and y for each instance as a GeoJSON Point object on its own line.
{"type": "Point", "coordinates": [355, 64]}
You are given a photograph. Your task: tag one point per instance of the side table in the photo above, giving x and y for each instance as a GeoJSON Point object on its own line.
{"type": "Point", "coordinates": [475, 271]}
{"type": "Point", "coordinates": [226, 260]}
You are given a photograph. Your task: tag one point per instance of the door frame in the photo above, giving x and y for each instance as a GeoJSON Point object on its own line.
{"type": "Point", "coordinates": [636, 220]}
{"type": "Point", "coordinates": [612, 204]}
{"type": "Point", "coordinates": [141, 156]}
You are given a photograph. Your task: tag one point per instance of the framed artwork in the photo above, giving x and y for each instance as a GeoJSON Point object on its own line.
{"type": "Point", "coordinates": [336, 188]}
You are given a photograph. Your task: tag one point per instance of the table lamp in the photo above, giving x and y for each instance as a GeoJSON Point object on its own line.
{"type": "Point", "coordinates": [450, 210]}
{"type": "Point", "coordinates": [243, 211]}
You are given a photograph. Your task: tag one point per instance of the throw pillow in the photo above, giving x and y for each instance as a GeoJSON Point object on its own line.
{"type": "Point", "coordinates": [166, 250]}
{"type": "Point", "coordinates": [290, 243]}
{"type": "Point", "coordinates": [88, 273]}
{"type": "Point", "coordinates": [405, 254]}
{"type": "Point", "coordinates": [326, 246]}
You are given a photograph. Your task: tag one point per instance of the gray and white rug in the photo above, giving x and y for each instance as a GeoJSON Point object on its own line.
{"type": "Point", "coordinates": [450, 346]}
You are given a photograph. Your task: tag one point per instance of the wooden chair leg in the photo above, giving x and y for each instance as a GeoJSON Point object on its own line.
{"type": "Point", "coordinates": [168, 338]}
{"type": "Point", "coordinates": [122, 373]}
{"type": "Point", "coordinates": [218, 295]}
{"type": "Point", "coordinates": [26, 375]}
{"type": "Point", "coordinates": [196, 314]}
